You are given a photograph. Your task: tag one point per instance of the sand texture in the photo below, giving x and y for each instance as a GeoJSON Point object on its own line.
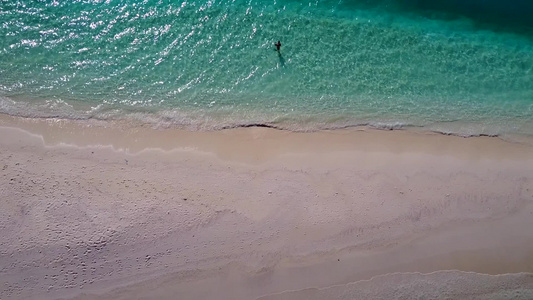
{"type": "Point", "coordinates": [101, 211]}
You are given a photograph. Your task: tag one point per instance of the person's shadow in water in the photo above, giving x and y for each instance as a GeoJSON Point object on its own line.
{"type": "Point", "coordinates": [281, 60]}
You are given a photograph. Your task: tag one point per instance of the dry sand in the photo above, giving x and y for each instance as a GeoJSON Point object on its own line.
{"type": "Point", "coordinates": [93, 210]}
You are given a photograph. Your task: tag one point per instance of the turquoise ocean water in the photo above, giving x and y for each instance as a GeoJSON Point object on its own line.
{"type": "Point", "coordinates": [460, 67]}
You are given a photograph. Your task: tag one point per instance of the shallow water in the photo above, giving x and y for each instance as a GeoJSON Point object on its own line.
{"type": "Point", "coordinates": [212, 64]}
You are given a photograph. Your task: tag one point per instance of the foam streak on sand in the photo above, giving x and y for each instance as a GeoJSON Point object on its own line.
{"type": "Point", "coordinates": [112, 212]}
{"type": "Point", "coordinates": [436, 285]}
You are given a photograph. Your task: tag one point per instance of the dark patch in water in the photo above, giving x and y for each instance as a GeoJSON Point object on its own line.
{"type": "Point", "coordinates": [517, 12]}
{"type": "Point", "coordinates": [510, 15]}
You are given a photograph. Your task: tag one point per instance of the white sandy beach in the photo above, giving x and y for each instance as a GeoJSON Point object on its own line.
{"type": "Point", "coordinates": [94, 210]}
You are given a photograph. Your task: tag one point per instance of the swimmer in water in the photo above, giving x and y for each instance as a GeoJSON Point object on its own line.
{"type": "Point", "coordinates": [278, 45]}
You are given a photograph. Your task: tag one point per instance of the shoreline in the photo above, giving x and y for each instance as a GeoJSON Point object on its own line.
{"type": "Point", "coordinates": [102, 212]}
{"type": "Point", "coordinates": [137, 138]}
{"type": "Point", "coordinates": [521, 132]}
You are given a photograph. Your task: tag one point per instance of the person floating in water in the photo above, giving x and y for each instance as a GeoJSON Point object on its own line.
{"type": "Point", "coordinates": [278, 45]}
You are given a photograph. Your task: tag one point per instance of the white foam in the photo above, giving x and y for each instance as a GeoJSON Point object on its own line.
{"type": "Point", "coordinates": [436, 285]}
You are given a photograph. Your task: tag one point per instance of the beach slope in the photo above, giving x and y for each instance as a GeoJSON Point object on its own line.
{"type": "Point", "coordinates": [107, 211]}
